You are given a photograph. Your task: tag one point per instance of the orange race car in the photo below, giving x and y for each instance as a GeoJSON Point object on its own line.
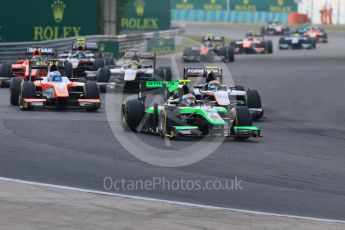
{"type": "Point", "coordinates": [53, 90]}
{"type": "Point", "coordinates": [21, 67]}
{"type": "Point", "coordinates": [253, 44]}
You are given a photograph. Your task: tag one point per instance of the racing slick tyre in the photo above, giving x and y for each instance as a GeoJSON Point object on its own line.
{"type": "Point", "coordinates": [132, 113]}
{"type": "Point", "coordinates": [5, 71]}
{"type": "Point", "coordinates": [159, 74]}
{"type": "Point", "coordinates": [68, 69]}
{"type": "Point", "coordinates": [167, 72]}
{"type": "Point", "coordinates": [253, 101]}
{"type": "Point", "coordinates": [15, 84]}
{"type": "Point", "coordinates": [99, 62]}
{"type": "Point", "coordinates": [109, 61]}
{"type": "Point", "coordinates": [103, 76]}
{"type": "Point", "coordinates": [243, 118]}
{"type": "Point", "coordinates": [269, 47]}
{"type": "Point", "coordinates": [228, 54]}
{"type": "Point", "coordinates": [92, 92]}
{"type": "Point", "coordinates": [28, 90]}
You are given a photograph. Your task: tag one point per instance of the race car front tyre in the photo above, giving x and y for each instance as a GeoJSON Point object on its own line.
{"type": "Point", "coordinates": [103, 76]}
{"type": "Point", "coordinates": [28, 90]}
{"type": "Point", "coordinates": [242, 118]}
{"type": "Point", "coordinates": [132, 113]}
{"type": "Point", "coordinates": [15, 84]}
{"type": "Point", "coordinates": [91, 90]}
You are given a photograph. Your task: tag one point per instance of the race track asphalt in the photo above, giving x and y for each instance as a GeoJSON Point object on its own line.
{"type": "Point", "coordinates": [297, 168]}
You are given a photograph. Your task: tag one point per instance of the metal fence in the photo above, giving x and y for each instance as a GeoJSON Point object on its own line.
{"type": "Point", "coordinates": [12, 51]}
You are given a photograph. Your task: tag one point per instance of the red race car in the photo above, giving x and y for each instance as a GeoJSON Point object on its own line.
{"type": "Point", "coordinates": [253, 44]}
{"type": "Point", "coordinates": [318, 34]}
{"type": "Point", "coordinates": [21, 67]}
{"type": "Point", "coordinates": [53, 90]}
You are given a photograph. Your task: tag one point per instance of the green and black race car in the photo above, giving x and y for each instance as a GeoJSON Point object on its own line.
{"type": "Point", "coordinates": [174, 117]}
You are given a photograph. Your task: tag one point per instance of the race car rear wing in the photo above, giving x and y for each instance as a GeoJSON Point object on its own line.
{"type": "Point", "coordinates": [42, 51]}
{"type": "Point", "coordinates": [213, 38]}
{"type": "Point", "coordinates": [89, 46]}
{"type": "Point", "coordinates": [46, 64]}
{"type": "Point", "coordinates": [202, 72]}
{"type": "Point", "coordinates": [142, 55]}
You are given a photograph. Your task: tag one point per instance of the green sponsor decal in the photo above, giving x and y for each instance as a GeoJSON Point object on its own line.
{"type": "Point", "coordinates": [161, 44]}
{"type": "Point", "coordinates": [144, 15]}
{"type": "Point", "coordinates": [247, 128]}
{"type": "Point", "coordinates": [267, 5]}
{"type": "Point", "coordinates": [199, 4]}
{"type": "Point", "coordinates": [171, 85]}
{"type": "Point", "coordinates": [47, 19]}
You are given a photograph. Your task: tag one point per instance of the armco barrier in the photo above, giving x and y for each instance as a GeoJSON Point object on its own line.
{"type": "Point", "coordinates": [16, 50]}
{"type": "Point", "coordinates": [229, 16]}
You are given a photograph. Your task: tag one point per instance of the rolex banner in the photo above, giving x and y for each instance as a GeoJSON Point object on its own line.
{"type": "Point", "coordinates": [236, 5]}
{"type": "Point", "coordinates": [37, 20]}
{"type": "Point", "coordinates": [266, 5]}
{"type": "Point", "coordinates": [144, 15]}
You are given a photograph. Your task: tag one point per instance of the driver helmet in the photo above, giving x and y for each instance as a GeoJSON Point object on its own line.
{"type": "Point", "coordinates": [55, 76]}
{"type": "Point", "coordinates": [80, 55]}
{"type": "Point", "coordinates": [213, 85]}
{"type": "Point", "coordinates": [134, 64]}
{"type": "Point", "coordinates": [188, 100]}
{"type": "Point", "coordinates": [37, 58]}
{"type": "Point", "coordinates": [208, 42]}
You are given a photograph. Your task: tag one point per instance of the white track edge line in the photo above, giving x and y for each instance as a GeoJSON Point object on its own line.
{"type": "Point", "coordinates": [168, 201]}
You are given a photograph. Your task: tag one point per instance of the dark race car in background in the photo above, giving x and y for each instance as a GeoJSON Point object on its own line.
{"type": "Point", "coordinates": [212, 48]}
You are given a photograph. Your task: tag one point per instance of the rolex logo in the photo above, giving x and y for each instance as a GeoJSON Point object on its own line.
{"type": "Point", "coordinates": [245, 2]}
{"type": "Point", "coordinates": [58, 8]}
{"type": "Point", "coordinates": [280, 2]}
{"type": "Point", "coordinates": [139, 7]}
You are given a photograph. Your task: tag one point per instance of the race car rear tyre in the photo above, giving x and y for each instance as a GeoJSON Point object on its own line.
{"type": "Point", "coordinates": [5, 70]}
{"type": "Point", "coordinates": [109, 61]}
{"type": "Point", "coordinates": [28, 90]}
{"type": "Point", "coordinates": [91, 90]}
{"type": "Point", "coordinates": [99, 62]}
{"type": "Point", "coordinates": [68, 69]}
{"type": "Point", "coordinates": [253, 99]}
{"type": "Point", "coordinates": [15, 84]}
{"type": "Point", "coordinates": [269, 47]}
{"type": "Point", "coordinates": [243, 118]}
{"type": "Point", "coordinates": [167, 73]}
{"type": "Point", "coordinates": [132, 113]}
{"type": "Point", "coordinates": [103, 76]}
{"type": "Point", "coordinates": [159, 74]}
